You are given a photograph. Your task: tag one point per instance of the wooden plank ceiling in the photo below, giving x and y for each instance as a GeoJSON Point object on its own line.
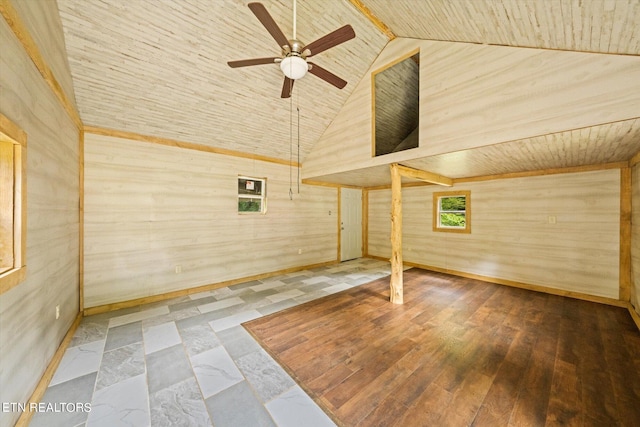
{"type": "Point", "coordinates": [158, 68]}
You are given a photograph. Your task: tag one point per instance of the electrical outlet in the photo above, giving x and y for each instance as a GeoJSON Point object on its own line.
{"type": "Point", "coordinates": [299, 251]}
{"type": "Point", "coordinates": [552, 219]}
{"type": "Point", "coordinates": [178, 269]}
{"type": "Point", "coordinates": [57, 312]}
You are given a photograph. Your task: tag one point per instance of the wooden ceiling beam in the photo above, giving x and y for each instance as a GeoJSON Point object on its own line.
{"type": "Point", "coordinates": [421, 175]}
{"type": "Point", "coordinates": [373, 18]}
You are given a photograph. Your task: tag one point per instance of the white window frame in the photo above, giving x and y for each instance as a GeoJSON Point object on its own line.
{"type": "Point", "coordinates": [437, 211]}
{"type": "Point", "coordinates": [262, 196]}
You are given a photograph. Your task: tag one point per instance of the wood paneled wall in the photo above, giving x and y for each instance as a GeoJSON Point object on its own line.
{"type": "Point", "coordinates": [150, 208]}
{"type": "Point", "coordinates": [477, 95]}
{"type": "Point", "coordinates": [635, 237]}
{"type": "Point", "coordinates": [512, 237]}
{"type": "Point", "coordinates": [29, 331]}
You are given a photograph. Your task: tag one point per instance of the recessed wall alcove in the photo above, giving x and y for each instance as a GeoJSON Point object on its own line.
{"type": "Point", "coordinates": [396, 102]}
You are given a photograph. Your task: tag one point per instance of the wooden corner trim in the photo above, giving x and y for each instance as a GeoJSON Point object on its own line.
{"type": "Point", "coordinates": [634, 315]}
{"type": "Point", "coordinates": [634, 160]}
{"type": "Point", "coordinates": [22, 34]}
{"type": "Point", "coordinates": [625, 234]}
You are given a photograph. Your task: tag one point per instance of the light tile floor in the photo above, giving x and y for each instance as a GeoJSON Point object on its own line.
{"type": "Point", "coordinates": [189, 362]}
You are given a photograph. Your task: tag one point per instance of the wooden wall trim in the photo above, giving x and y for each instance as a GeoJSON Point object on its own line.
{"type": "Point", "coordinates": [12, 130]}
{"type": "Point", "coordinates": [20, 30]}
{"type": "Point", "coordinates": [634, 160]}
{"type": "Point", "coordinates": [329, 184]}
{"type": "Point", "coordinates": [186, 145]}
{"type": "Point", "coordinates": [169, 295]}
{"type": "Point", "coordinates": [81, 218]}
{"type": "Point", "coordinates": [384, 29]}
{"type": "Point", "coordinates": [625, 234]}
{"type": "Point", "coordinates": [515, 284]}
{"type": "Point", "coordinates": [321, 183]}
{"type": "Point", "coordinates": [40, 389]}
{"type": "Point", "coordinates": [404, 185]}
{"type": "Point", "coordinates": [365, 222]}
{"type": "Point", "coordinates": [634, 315]}
{"type": "Point", "coordinates": [15, 134]}
{"type": "Point", "coordinates": [573, 169]}
{"type": "Point", "coordinates": [338, 225]}
{"type": "Point", "coordinates": [556, 171]}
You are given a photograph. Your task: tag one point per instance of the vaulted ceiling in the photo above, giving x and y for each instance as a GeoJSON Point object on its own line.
{"type": "Point", "coordinates": [159, 67]}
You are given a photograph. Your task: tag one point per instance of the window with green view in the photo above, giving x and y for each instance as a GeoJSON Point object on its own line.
{"type": "Point", "coordinates": [451, 211]}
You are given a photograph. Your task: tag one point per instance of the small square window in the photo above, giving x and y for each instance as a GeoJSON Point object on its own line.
{"type": "Point", "coordinates": [452, 211]}
{"type": "Point", "coordinates": [252, 195]}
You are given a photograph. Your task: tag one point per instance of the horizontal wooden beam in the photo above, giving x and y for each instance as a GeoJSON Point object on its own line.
{"type": "Point", "coordinates": [186, 145]}
{"type": "Point", "coordinates": [374, 19]}
{"type": "Point", "coordinates": [421, 175]}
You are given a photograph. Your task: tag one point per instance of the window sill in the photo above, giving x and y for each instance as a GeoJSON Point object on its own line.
{"type": "Point", "coordinates": [12, 278]}
{"type": "Point", "coordinates": [452, 230]}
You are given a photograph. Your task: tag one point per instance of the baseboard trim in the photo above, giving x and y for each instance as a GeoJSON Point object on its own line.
{"type": "Point", "coordinates": [634, 314]}
{"type": "Point", "coordinates": [42, 385]}
{"type": "Point", "coordinates": [175, 294]}
{"type": "Point", "coordinates": [515, 284]}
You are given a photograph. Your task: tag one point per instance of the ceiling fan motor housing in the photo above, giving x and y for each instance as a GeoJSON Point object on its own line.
{"type": "Point", "coordinates": [294, 64]}
{"type": "Point", "coordinates": [297, 49]}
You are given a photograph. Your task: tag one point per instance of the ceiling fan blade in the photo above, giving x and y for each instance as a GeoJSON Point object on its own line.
{"type": "Point", "coordinates": [249, 62]}
{"type": "Point", "coordinates": [332, 39]}
{"type": "Point", "coordinates": [327, 76]}
{"type": "Point", "coordinates": [287, 88]}
{"type": "Point", "coordinates": [263, 16]}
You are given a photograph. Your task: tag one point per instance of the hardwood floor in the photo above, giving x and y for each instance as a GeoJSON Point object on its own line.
{"type": "Point", "coordinates": [459, 352]}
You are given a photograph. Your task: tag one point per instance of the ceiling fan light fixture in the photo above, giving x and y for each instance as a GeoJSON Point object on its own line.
{"type": "Point", "coordinates": [294, 67]}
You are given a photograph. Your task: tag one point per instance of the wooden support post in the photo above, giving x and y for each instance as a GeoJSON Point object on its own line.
{"type": "Point", "coordinates": [625, 234]}
{"type": "Point", "coordinates": [396, 292]}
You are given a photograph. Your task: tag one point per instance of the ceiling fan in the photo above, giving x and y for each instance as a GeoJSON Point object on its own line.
{"type": "Point", "coordinates": [293, 60]}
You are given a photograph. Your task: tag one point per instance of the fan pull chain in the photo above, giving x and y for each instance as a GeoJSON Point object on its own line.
{"type": "Point", "coordinates": [298, 109]}
{"type": "Point", "coordinates": [290, 148]}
